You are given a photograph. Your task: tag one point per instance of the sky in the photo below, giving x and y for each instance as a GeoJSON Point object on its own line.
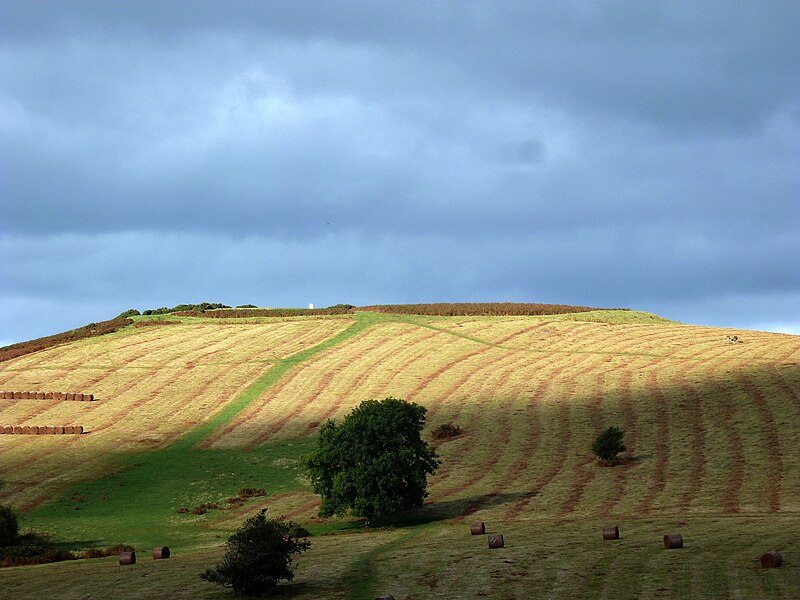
{"type": "Point", "coordinates": [604, 153]}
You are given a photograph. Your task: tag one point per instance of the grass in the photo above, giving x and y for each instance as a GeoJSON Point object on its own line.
{"type": "Point", "coordinates": [711, 429]}
{"type": "Point", "coordinates": [540, 560]}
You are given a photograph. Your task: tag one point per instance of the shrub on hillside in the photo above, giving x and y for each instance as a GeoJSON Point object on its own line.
{"type": "Point", "coordinates": [131, 312]}
{"type": "Point", "coordinates": [9, 527]}
{"type": "Point", "coordinates": [258, 555]}
{"type": "Point", "coordinates": [446, 431]}
{"type": "Point", "coordinates": [609, 444]}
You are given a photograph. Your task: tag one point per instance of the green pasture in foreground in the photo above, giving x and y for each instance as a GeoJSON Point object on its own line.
{"type": "Point", "coordinates": [548, 559]}
{"type": "Point", "coordinates": [137, 505]}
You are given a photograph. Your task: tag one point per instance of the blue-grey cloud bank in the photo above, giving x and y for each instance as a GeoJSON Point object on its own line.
{"type": "Point", "coordinates": [636, 154]}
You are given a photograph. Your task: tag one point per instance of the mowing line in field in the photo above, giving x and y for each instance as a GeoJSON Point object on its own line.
{"type": "Point", "coordinates": [377, 358]}
{"type": "Point", "coordinates": [369, 370]}
{"type": "Point", "coordinates": [260, 385]}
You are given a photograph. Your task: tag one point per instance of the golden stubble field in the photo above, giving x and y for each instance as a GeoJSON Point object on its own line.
{"type": "Point", "coordinates": [712, 429]}
{"type": "Point", "coordinates": [151, 385]}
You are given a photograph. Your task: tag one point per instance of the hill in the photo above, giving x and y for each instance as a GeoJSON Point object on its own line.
{"type": "Point", "coordinates": [189, 410]}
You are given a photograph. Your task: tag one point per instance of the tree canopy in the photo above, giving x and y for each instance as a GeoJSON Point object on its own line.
{"type": "Point", "coordinates": [375, 463]}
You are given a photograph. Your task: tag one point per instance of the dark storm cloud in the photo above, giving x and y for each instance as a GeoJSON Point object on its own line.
{"type": "Point", "coordinates": [607, 153]}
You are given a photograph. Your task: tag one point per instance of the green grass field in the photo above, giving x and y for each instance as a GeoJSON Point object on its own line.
{"type": "Point", "coordinates": [190, 412]}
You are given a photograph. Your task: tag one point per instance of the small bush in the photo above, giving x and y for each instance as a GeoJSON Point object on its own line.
{"type": "Point", "coordinates": [131, 312]}
{"type": "Point", "coordinates": [446, 431]}
{"type": "Point", "coordinates": [251, 492]}
{"type": "Point", "coordinates": [247, 306]}
{"type": "Point", "coordinates": [258, 555]}
{"type": "Point", "coordinates": [609, 444]}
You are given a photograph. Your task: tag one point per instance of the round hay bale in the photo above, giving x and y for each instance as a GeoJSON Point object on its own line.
{"type": "Point", "coordinates": [673, 540]}
{"type": "Point", "coordinates": [17, 429]}
{"type": "Point", "coordinates": [9, 429]}
{"type": "Point", "coordinates": [79, 396]}
{"type": "Point", "coordinates": [17, 395]}
{"type": "Point", "coordinates": [59, 429]}
{"type": "Point", "coordinates": [160, 552]}
{"type": "Point", "coordinates": [127, 558]}
{"type": "Point", "coordinates": [70, 396]}
{"type": "Point", "coordinates": [2, 395]}
{"type": "Point", "coordinates": [69, 429]}
{"type": "Point", "coordinates": [88, 397]}
{"type": "Point", "coordinates": [51, 429]}
{"type": "Point", "coordinates": [496, 540]}
{"type": "Point", "coordinates": [40, 395]}
{"type": "Point", "coordinates": [771, 560]}
{"type": "Point", "coordinates": [26, 430]}
{"type": "Point", "coordinates": [25, 395]}
{"type": "Point", "coordinates": [611, 533]}
{"type": "Point", "coordinates": [477, 528]}
{"type": "Point", "coordinates": [2, 430]}
{"type": "Point", "coordinates": [77, 429]}
{"type": "Point", "coordinates": [35, 430]}
{"type": "Point", "coordinates": [48, 395]}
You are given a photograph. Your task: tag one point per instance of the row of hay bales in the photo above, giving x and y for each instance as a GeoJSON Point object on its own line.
{"type": "Point", "coordinates": [46, 396]}
{"type": "Point", "coordinates": [43, 430]}
{"type": "Point", "coordinates": [672, 541]}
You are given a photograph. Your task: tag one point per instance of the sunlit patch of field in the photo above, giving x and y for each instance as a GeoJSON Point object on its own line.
{"type": "Point", "coordinates": [151, 386]}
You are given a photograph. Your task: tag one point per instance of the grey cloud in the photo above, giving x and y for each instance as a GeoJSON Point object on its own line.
{"type": "Point", "coordinates": [607, 153]}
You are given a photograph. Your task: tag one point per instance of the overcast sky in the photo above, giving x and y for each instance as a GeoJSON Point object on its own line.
{"type": "Point", "coordinates": [623, 154]}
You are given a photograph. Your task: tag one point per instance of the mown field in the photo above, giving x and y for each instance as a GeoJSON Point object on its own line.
{"type": "Point", "coordinates": [189, 412]}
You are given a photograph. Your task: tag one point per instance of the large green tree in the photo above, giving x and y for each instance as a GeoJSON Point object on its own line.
{"type": "Point", "coordinates": [375, 463]}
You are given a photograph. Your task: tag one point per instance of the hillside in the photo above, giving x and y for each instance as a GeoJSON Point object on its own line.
{"type": "Point", "coordinates": [190, 409]}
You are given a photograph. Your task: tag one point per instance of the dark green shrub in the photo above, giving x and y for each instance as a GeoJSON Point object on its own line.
{"type": "Point", "coordinates": [258, 555]}
{"type": "Point", "coordinates": [9, 527]}
{"type": "Point", "coordinates": [131, 312]}
{"type": "Point", "coordinates": [609, 444]}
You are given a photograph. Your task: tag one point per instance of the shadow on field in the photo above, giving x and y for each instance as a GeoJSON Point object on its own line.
{"type": "Point", "coordinates": [452, 509]}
